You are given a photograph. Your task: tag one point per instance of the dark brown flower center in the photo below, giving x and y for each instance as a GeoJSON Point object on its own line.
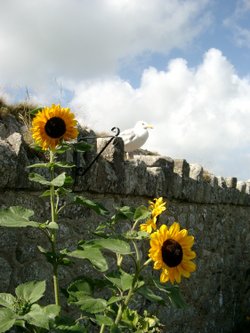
{"type": "Point", "coordinates": [55, 127]}
{"type": "Point", "coordinates": [172, 253]}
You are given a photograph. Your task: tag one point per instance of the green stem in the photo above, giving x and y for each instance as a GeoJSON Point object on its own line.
{"type": "Point", "coordinates": [146, 263]}
{"type": "Point", "coordinates": [102, 328]}
{"type": "Point", "coordinates": [123, 306]}
{"type": "Point", "coordinates": [132, 289]}
{"type": "Point", "coordinates": [134, 225]}
{"type": "Point", "coordinates": [53, 233]}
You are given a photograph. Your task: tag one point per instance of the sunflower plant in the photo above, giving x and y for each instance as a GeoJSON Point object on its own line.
{"type": "Point", "coordinates": [125, 262]}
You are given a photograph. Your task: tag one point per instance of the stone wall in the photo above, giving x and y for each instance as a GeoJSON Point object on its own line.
{"type": "Point", "coordinates": [216, 210]}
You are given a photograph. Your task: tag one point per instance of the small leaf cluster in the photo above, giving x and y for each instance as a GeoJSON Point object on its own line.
{"type": "Point", "coordinates": [22, 309]}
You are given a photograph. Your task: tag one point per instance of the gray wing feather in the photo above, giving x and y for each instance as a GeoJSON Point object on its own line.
{"type": "Point", "coordinates": [127, 136]}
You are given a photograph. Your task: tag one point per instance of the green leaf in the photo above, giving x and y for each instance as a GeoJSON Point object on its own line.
{"type": "Point", "coordinates": [53, 225]}
{"type": "Point", "coordinates": [63, 165]}
{"type": "Point", "coordinates": [115, 329]}
{"type": "Point", "coordinates": [37, 317]}
{"type": "Point", "coordinates": [141, 213]}
{"type": "Point", "coordinates": [35, 111]}
{"type": "Point", "coordinates": [104, 320]}
{"type": "Point", "coordinates": [124, 212]}
{"type": "Point", "coordinates": [17, 217]}
{"type": "Point", "coordinates": [68, 180]}
{"type": "Point", "coordinates": [115, 299]}
{"type": "Point", "coordinates": [92, 305]}
{"type": "Point", "coordinates": [52, 258]}
{"type": "Point", "coordinates": [113, 244]}
{"type": "Point", "coordinates": [97, 207]}
{"type": "Point", "coordinates": [150, 295]}
{"type": "Point", "coordinates": [126, 280]}
{"type": "Point", "coordinates": [82, 146]}
{"type": "Point", "coordinates": [92, 254]}
{"type": "Point", "coordinates": [45, 194]}
{"type": "Point", "coordinates": [115, 279]}
{"type": "Point", "coordinates": [173, 293]}
{"type": "Point", "coordinates": [37, 178]}
{"type": "Point", "coordinates": [39, 165]}
{"type": "Point", "coordinates": [7, 300]}
{"type": "Point", "coordinates": [7, 319]}
{"type": "Point", "coordinates": [50, 165]}
{"type": "Point", "coordinates": [31, 291]}
{"type": "Point", "coordinates": [20, 323]}
{"type": "Point", "coordinates": [52, 311]}
{"type": "Point", "coordinates": [42, 316]}
{"type": "Point", "coordinates": [121, 279]}
{"type": "Point", "coordinates": [63, 148]}
{"type": "Point", "coordinates": [59, 180]}
{"type": "Point", "coordinates": [62, 191]}
{"type": "Point", "coordinates": [80, 285]}
{"type": "Point", "coordinates": [136, 235]}
{"type": "Point", "coordinates": [66, 325]}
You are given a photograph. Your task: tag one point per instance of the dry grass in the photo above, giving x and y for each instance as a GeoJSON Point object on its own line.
{"type": "Point", "coordinates": [21, 111]}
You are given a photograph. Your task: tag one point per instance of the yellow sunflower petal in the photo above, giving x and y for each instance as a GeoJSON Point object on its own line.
{"type": "Point", "coordinates": [171, 275]}
{"type": "Point", "coordinates": [164, 277]}
{"type": "Point", "coordinates": [183, 272]}
{"type": "Point", "coordinates": [189, 266]}
{"type": "Point", "coordinates": [148, 226]}
{"type": "Point", "coordinates": [181, 234]}
{"type": "Point", "coordinates": [157, 206]}
{"type": "Point", "coordinates": [53, 125]}
{"type": "Point", "coordinates": [170, 249]}
{"type": "Point", "coordinates": [174, 229]}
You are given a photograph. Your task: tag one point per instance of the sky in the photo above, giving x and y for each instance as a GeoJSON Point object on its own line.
{"type": "Point", "coordinates": [180, 65]}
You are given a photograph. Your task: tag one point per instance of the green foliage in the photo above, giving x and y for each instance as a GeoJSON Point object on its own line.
{"type": "Point", "coordinates": [22, 309]}
{"type": "Point", "coordinates": [82, 146]}
{"type": "Point", "coordinates": [141, 213]}
{"type": "Point", "coordinates": [17, 217]}
{"type": "Point", "coordinates": [115, 245]}
{"type": "Point", "coordinates": [116, 257]}
{"type": "Point", "coordinates": [172, 292]}
{"type": "Point", "coordinates": [92, 254]}
{"type": "Point", "coordinates": [33, 112]}
{"type": "Point", "coordinates": [96, 207]}
{"type": "Point", "coordinates": [31, 291]}
{"type": "Point", "coordinates": [58, 181]}
{"type": "Point", "coordinates": [50, 165]}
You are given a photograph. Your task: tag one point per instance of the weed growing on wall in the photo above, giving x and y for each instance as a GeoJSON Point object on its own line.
{"type": "Point", "coordinates": [106, 303]}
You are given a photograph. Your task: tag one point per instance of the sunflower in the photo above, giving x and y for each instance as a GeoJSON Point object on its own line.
{"type": "Point", "coordinates": [157, 206]}
{"type": "Point", "coordinates": [149, 225]}
{"type": "Point", "coordinates": [52, 125]}
{"type": "Point", "coordinates": [170, 249]}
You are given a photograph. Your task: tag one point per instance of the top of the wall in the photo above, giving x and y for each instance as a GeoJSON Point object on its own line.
{"type": "Point", "coordinates": [143, 175]}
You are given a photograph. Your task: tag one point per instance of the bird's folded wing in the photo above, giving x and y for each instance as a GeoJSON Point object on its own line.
{"type": "Point", "coordinates": [127, 136]}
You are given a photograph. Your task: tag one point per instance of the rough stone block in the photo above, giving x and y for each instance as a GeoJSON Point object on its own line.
{"type": "Point", "coordinates": [196, 171]}
{"type": "Point", "coordinates": [155, 185]}
{"type": "Point", "coordinates": [231, 182]}
{"type": "Point", "coordinates": [181, 167]}
{"type": "Point", "coordinates": [114, 152]}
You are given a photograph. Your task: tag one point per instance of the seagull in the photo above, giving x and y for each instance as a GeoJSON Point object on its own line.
{"type": "Point", "coordinates": [134, 138]}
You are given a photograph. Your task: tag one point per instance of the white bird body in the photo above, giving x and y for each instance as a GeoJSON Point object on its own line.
{"type": "Point", "coordinates": [135, 137]}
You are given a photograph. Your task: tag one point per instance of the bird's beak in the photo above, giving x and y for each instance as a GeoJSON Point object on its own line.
{"type": "Point", "coordinates": [149, 126]}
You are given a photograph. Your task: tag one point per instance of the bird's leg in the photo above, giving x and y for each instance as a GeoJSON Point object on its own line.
{"type": "Point", "coordinates": [128, 155]}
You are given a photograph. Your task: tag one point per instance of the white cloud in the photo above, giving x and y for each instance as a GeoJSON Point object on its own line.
{"type": "Point", "coordinates": [201, 114]}
{"type": "Point", "coordinates": [238, 23]}
{"type": "Point", "coordinates": [79, 38]}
